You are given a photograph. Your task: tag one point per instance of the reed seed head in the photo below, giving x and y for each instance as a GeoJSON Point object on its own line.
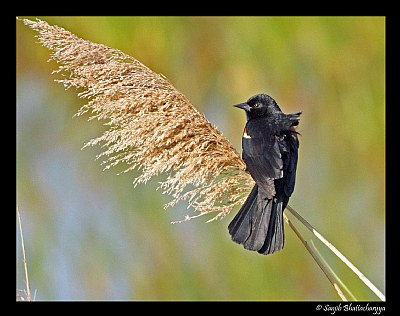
{"type": "Point", "coordinates": [152, 126]}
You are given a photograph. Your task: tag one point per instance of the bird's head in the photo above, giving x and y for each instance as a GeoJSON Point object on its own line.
{"type": "Point", "coordinates": [259, 105]}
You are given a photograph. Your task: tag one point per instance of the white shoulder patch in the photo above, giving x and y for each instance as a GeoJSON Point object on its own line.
{"type": "Point", "coordinates": [245, 135]}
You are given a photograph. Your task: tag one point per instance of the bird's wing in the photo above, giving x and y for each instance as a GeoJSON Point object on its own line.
{"type": "Point", "coordinates": [262, 155]}
{"type": "Point", "coordinates": [290, 160]}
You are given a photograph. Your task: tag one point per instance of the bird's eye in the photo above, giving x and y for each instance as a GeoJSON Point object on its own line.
{"type": "Point", "coordinates": [256, 105]}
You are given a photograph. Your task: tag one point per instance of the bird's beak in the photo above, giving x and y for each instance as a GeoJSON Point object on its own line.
{"type": "Point", "coordinates": [294, 116]}
{"type": "Point", "coordinates": [243, 106]}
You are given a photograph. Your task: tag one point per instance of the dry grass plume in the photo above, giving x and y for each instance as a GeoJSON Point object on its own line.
{"type": "Point", "coordinates": [152, 126]}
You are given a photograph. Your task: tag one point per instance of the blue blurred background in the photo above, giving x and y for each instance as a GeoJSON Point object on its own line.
{"type": "Point", "coordinates": [89, 235]}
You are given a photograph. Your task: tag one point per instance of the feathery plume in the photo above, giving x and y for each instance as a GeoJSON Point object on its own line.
{"type": "Point", "coordinates": [152, 126]}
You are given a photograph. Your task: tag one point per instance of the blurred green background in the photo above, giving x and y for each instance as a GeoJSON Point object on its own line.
{"type": "Point", "coordinates": [90, 235]}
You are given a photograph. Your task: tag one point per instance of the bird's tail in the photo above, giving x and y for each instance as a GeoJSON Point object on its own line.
{"type": "Point", "coordinates": [258, 226]}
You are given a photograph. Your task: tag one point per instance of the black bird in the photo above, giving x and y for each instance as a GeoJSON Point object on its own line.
{"type": "Point", "coordinates": [270, 151]}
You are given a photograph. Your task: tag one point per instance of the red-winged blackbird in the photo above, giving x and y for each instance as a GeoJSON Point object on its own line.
{"type": "Point", "coordinates": [270, 151]}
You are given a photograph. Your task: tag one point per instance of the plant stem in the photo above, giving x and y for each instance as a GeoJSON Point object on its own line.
{"type": "Point", "coordinates": [366, 281]}
{"type": "Point", "coordinates": [317, 259]}
{"type": "Point", "coordinates": [28, 292]}
{"type": "Point", "coordinates": [333, 272]}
